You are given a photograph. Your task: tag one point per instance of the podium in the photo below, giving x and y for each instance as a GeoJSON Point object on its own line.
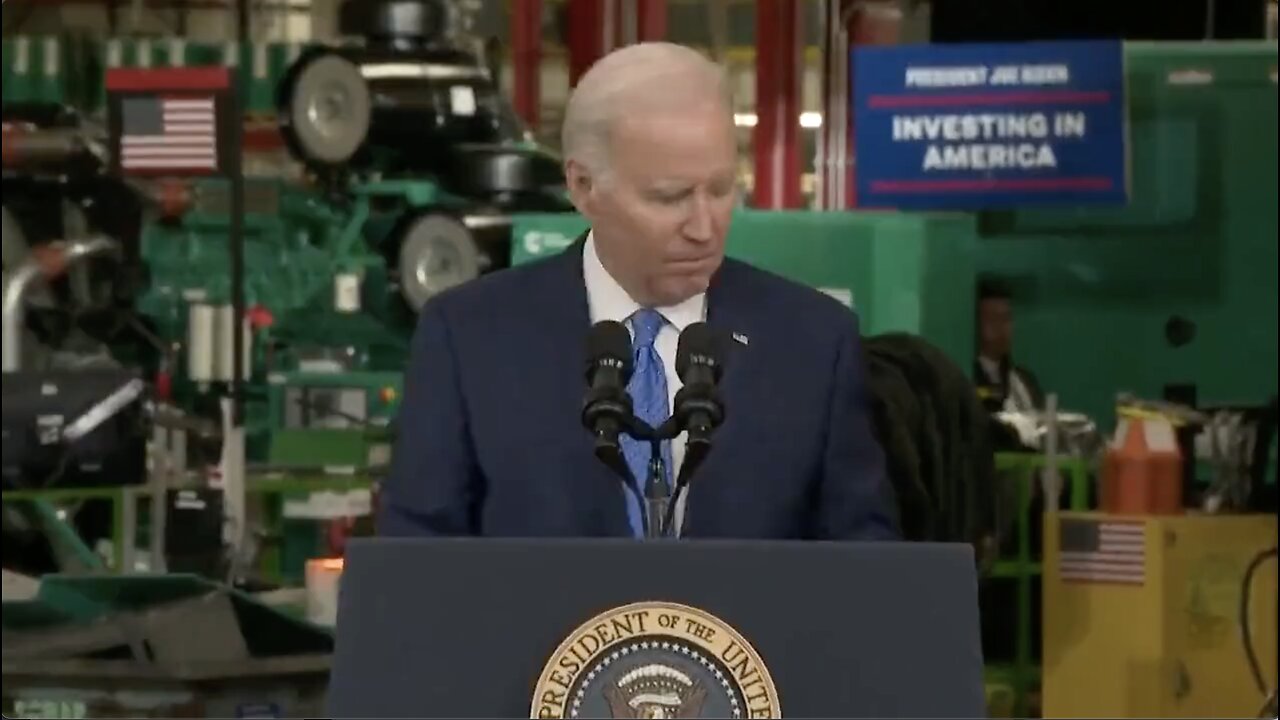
{"type": "Point", "coordinates": [624, 628]}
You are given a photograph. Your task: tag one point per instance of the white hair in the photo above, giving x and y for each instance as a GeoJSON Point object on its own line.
{"type": "Point", "coordinates": [635, 78]}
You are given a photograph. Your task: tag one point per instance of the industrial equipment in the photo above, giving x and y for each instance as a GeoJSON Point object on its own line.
{"type": "Point", "coordinates": [1160, 602]}
{"type": "Point", "coordinates": [414, 164]}
{"type": "Point", "coordinates": [56, 189]}
{"type": "Point", "coordinates": [1143, 615]}
{"type": "Point", "coordinates": [156, 646]}
{"type": "Point", "coordinates": [407, 103]}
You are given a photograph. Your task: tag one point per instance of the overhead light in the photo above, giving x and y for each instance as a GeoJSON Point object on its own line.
{"type": "Point", "coordinates": [808, 120]}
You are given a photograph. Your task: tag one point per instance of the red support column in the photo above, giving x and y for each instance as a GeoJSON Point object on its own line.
{"type": "Point", "coordinates": [587, 34]}
{"type": "Point", "coordinates": [617, 15]}
{"type": "Point", "coordinates": [870, 23]}
{"type": "Point", "coordinates": [652, 20]}
{"type": "Point", "coordinates": [526, 59]}
{"type": "Point", "coordinates": [777, 131]}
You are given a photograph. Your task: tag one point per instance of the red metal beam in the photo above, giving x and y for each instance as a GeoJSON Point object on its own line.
{"type": "Point", "coordinates": [526, 59]}
{"type": "Point", "coordinates": [776, 138]}
{"type": "Point", "coordinates": [167, 79]}
{"type": "Point", "coordinates": [870, 23]}
{"type": "Point", "coordinates": [651, 22]}
{"type": "Point", "coordinates": [586, 35]}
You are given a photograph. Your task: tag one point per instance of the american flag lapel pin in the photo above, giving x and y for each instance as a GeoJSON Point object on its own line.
{"type": "Point", "coordinates": [741, 338]}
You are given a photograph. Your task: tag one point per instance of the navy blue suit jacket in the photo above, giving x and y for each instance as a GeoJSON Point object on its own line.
{"type": "Point", "coordinates": [490, 440]}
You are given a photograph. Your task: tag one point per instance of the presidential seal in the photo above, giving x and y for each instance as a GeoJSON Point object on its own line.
{"type": "Point", "coordinates": [655, 660]}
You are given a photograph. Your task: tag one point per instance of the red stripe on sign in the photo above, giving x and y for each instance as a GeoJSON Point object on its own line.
{"type": "Point", "coordinates": [1045, 97]}
{"type": "Point", "coordinates": [987, 185]}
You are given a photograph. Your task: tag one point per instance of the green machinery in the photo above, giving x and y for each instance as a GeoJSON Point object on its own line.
{"type": "Point", "coordinates": [413, 166]}
{"type": "Point", "coordinates": [319, 288]}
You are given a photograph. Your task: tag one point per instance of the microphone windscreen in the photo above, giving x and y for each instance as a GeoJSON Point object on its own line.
{"type": "Point", "coordinates": [609, 340]}
{"type": "Point", "coordinates": [698, 341]}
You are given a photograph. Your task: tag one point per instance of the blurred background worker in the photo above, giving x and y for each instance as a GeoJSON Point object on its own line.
{"type": "Point", "coordinates": [1010, 386]}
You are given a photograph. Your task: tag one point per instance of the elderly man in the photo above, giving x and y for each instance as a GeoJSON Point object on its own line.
{"type": "Point", "coordinates": [490, 438]}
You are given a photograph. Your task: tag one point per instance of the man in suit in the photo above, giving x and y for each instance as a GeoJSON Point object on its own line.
{"type": "Point", "coordinates": [1010, 386]}
{"type": "Point", "coordinates": [490, 437]}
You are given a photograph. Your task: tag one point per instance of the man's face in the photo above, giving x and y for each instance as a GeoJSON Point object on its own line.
{"type": "Point", "coordinates": [660, 216]}
{"type": "Point", "coordinates": [995, 328]}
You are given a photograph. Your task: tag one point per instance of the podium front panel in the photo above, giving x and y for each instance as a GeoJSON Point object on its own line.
{"type": "Point", "coordinates": [623, 628]}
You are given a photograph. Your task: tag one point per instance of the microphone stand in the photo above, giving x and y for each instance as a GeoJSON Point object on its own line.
{"type": "Point", "coordinates": [656, 492]}
{"type": "Point", "coordinates": [657, 498]}
{"type": "Point", "coordinates": [694, 454]}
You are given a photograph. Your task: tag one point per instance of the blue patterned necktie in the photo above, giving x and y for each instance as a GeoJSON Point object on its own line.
{"type": "Point", "coordinates": [648, 389]}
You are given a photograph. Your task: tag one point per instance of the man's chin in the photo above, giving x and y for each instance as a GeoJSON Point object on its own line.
{"type": "Point", "coordinates": [678, 289]}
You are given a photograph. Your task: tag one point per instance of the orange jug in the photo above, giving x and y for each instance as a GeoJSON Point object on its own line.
{"type": "Point", "coordinates": [1142, 471]}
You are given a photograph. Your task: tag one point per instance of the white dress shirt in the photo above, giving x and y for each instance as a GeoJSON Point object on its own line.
{"type": "Point", "coordinates": [606, 300]}
{"type": "Point", "coordinates": [1017, 396]}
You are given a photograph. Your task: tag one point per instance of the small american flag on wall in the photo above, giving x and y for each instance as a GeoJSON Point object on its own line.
{"type": "Point", "coordinates": [172, 134]}
{"type": "Point", "coordinates": [1103, 551]}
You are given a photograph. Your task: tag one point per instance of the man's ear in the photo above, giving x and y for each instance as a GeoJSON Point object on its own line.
{"type": "Point", "coordinates": [581, 185]}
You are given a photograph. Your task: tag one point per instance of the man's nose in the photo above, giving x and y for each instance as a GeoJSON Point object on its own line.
{"type": "Point", "coordinates": [699, 225]}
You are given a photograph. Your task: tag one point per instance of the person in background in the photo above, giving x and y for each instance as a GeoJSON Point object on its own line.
{"type": "Point", "coordinates": [1005, 385]}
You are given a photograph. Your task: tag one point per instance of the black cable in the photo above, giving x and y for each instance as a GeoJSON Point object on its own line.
{"type": "Point", "coordinates": [1268, 709]}
{"type": "Point", "coordinates": [1246, 588]}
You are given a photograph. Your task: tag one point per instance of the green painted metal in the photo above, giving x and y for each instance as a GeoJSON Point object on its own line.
{"type": "Point", "coordinates": [1022, 673]}
{"type": "Point", "coordinates": [1094, 288]}
{"type": "Point", "coordinates": [50, 68]}
{"type": "Point", "coordinates": [295, 244]}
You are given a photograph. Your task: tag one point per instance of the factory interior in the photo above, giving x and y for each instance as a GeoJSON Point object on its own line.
{"type": "Point", "coordinates": [204, 360]}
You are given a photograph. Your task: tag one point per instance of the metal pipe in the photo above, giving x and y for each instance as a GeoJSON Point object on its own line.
{"type": "Point", "coordinates": [99, 245]}
{"type": "Point", "coordinates": [17, 286]}
{"type": "Point", "coordinates": [27, 148]}
{"type": "Point", "coordinates": [1051, 482]}
{"type": "Point", "coordinates": [15, 292]}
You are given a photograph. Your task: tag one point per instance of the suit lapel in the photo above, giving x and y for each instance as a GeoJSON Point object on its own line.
{"type": "Point", "coordinates": [729, 315]}
{"type": "Point", "coordinates": [565, 327]}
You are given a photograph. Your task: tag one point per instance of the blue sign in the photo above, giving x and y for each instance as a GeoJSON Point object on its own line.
{"type": "Point", "coordinates": [967, 127]}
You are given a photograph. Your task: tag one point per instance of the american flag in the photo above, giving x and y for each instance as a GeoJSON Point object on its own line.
{"type": "Point", "coordinates": [168, 134]}
{"type": "Point", "coordinates": [1103, 551]}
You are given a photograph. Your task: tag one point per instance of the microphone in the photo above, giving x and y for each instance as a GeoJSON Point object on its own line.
{"type": "Point", "coordinates": [608, 410]}
{"type": "Point", "coordinates": [698, 408]}
{"type": "Point", "coordinates": [698, 364]}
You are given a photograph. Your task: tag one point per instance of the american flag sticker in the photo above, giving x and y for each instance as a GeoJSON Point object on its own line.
{"type": "Point", "coordinates": [170, 134]}
{"type": "Point", "coordinates": [1103, 551]}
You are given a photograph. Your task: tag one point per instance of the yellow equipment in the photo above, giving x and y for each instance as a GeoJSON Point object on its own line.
{"type": "Point", "coordinates": [1141, 615]}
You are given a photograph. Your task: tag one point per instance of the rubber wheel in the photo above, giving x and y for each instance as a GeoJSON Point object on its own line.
{"type": "Point", "coordinates": [329, 108]}
{"type": "Point", "coordinates": [437, 252]}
